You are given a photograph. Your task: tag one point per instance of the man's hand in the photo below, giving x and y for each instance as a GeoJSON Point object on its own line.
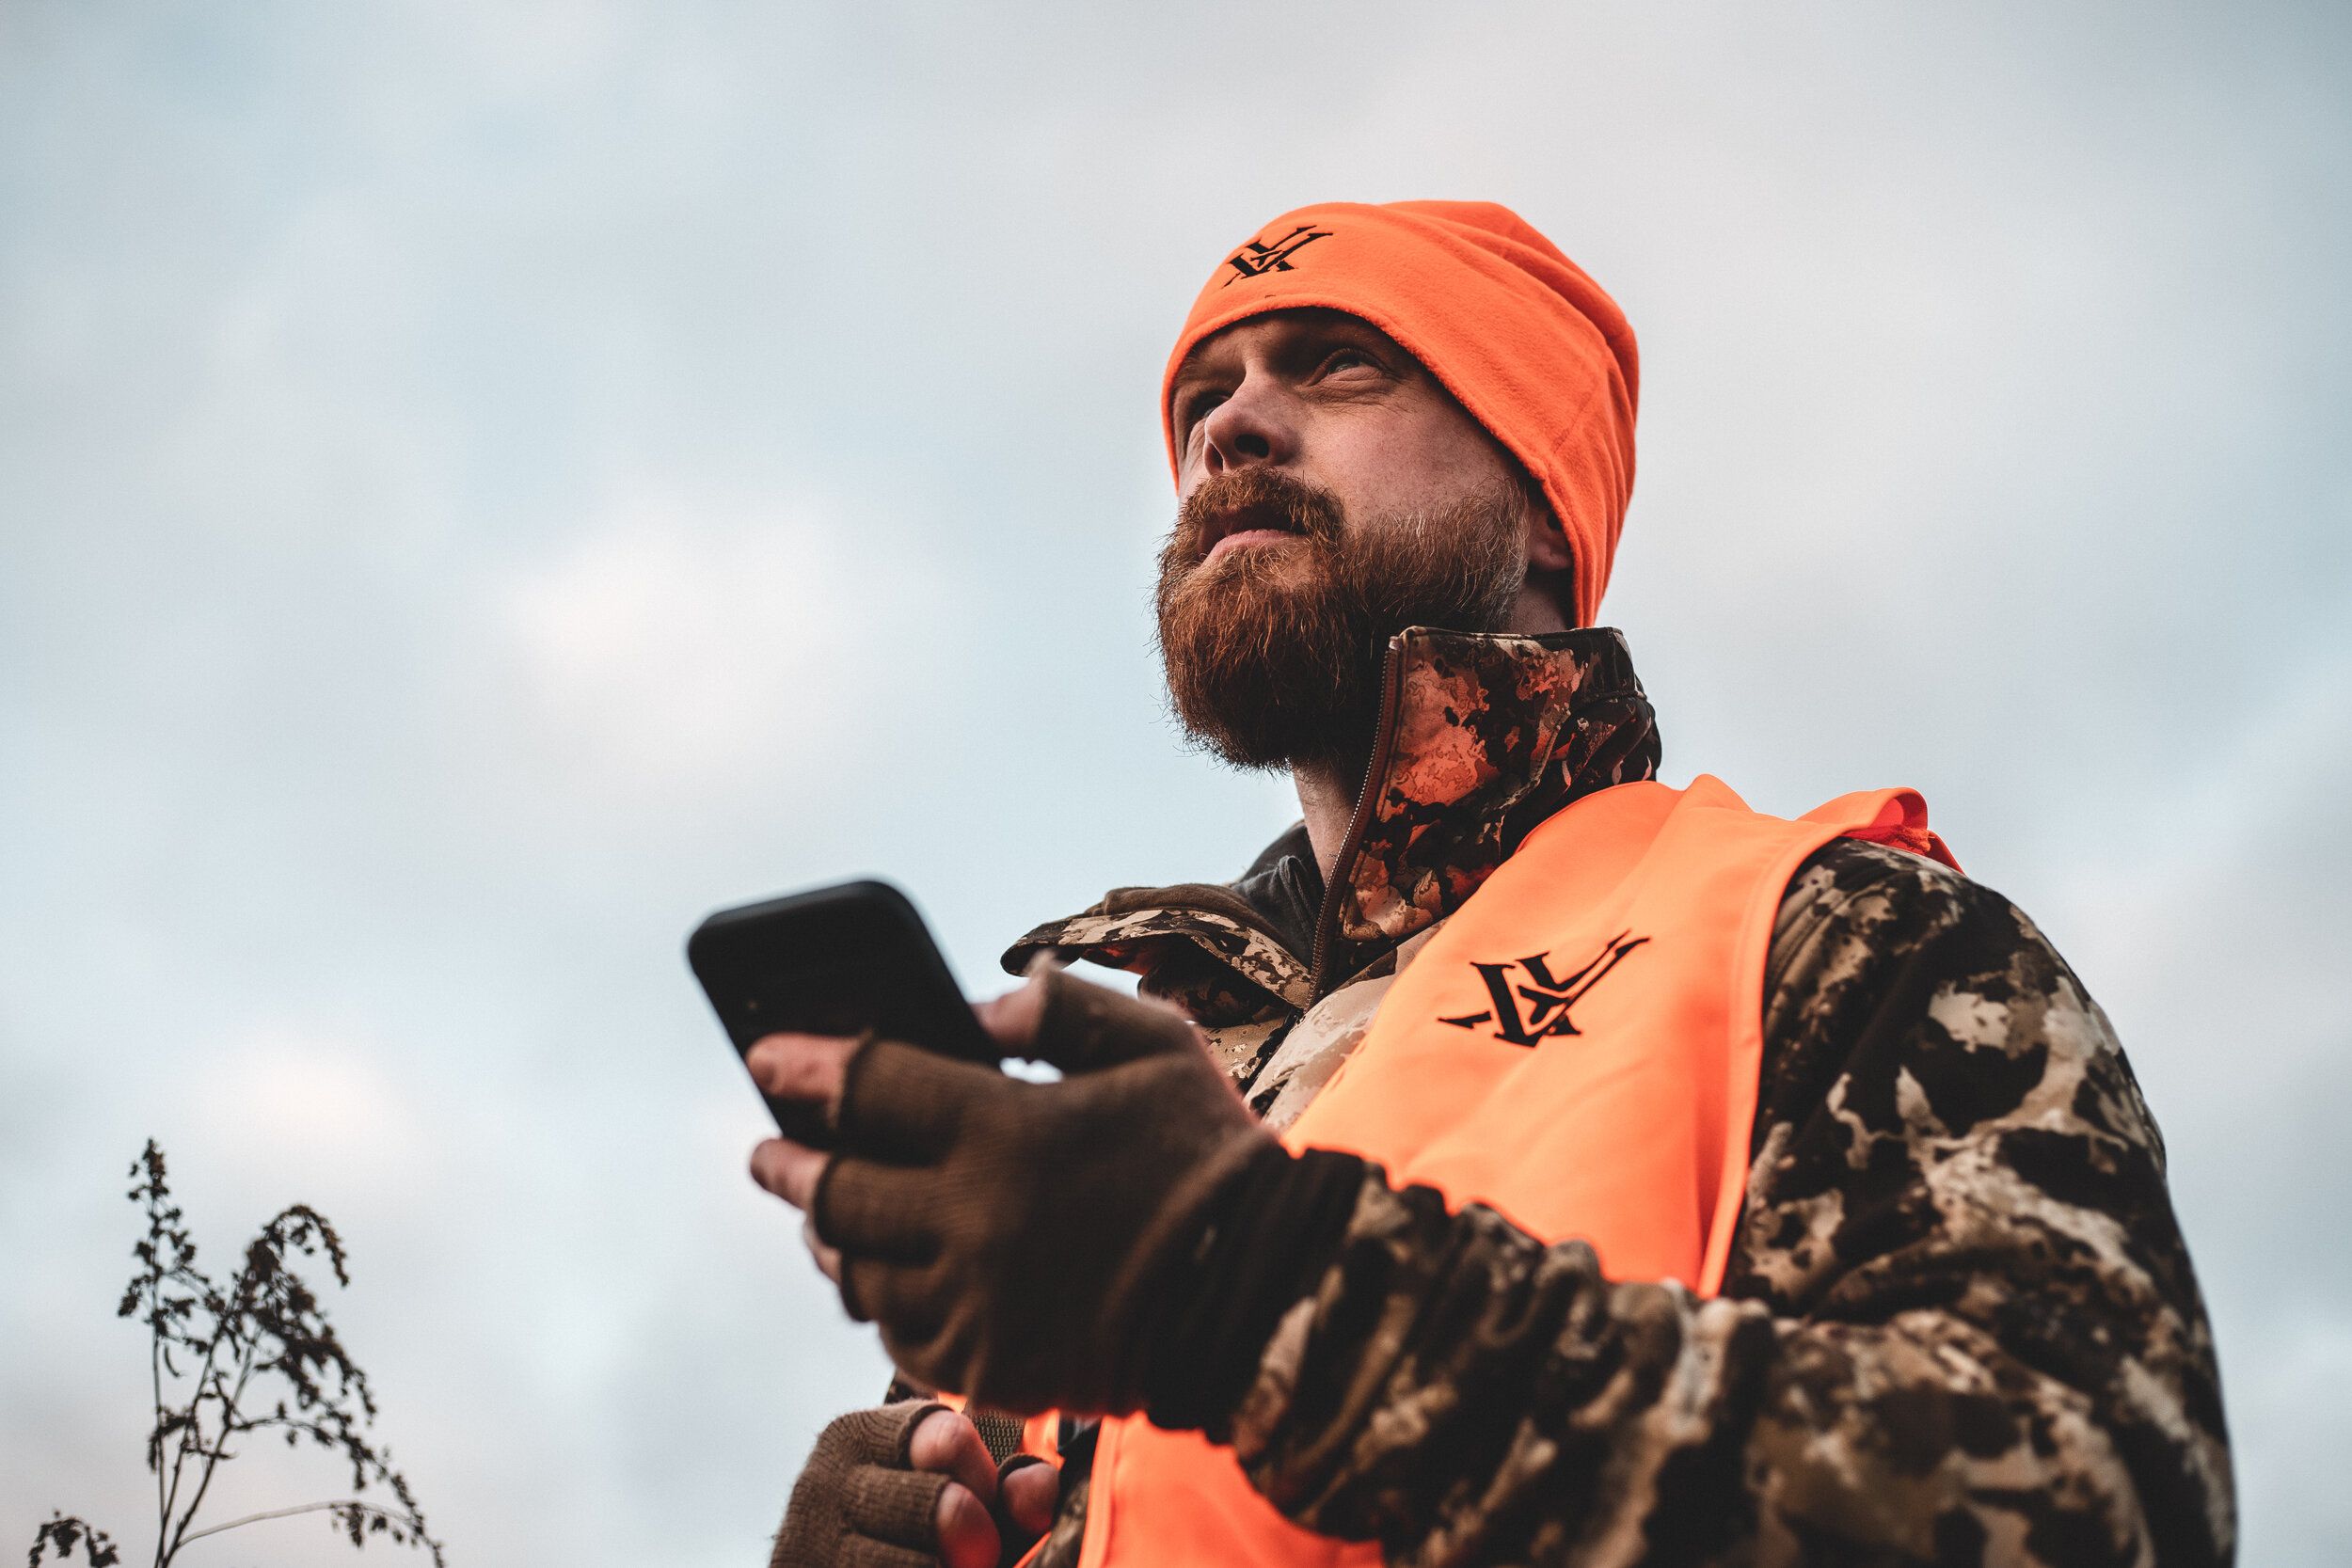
{"type": "Point", "coordinates": [1009, 1237]}
{"type": "Point", "coordinates": [910, 1485]}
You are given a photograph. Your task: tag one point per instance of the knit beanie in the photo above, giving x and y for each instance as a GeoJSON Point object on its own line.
{"type": "Point", "coordinates": [1532, 348]}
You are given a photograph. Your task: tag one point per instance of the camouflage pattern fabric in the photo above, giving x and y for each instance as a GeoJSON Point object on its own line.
{"type": "Point", "coordinates": [1960, 1324]}
{"type": "Point", "coordinates": [1212, 955]}
{"type": "Point", "coordinates": [1484, 738]}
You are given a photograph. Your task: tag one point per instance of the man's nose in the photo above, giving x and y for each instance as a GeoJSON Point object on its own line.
{"type": "Point", "coordinates": [1248, 428]}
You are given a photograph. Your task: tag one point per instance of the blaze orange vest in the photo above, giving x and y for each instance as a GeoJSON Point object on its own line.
{"type": "Point", "coordinates": [1576, 1048]}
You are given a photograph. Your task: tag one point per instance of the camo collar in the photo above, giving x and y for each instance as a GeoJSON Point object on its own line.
{"type": "Point", "coordinates": [1480, 738]}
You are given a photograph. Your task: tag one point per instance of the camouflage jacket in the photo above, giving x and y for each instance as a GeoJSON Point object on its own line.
{"type": "Point", "coordinates": [1959, 1324]}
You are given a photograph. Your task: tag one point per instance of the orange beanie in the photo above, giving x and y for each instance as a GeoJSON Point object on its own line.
{"type": "Point", "coordinates": [1524, 341]}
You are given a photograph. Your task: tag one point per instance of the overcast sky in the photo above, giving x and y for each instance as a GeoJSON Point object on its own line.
{"type": "Point", "coordinates": [483, 483]}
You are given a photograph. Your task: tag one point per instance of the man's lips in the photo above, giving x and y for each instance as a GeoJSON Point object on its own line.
{"type": "Point", "coordinates": [1241, 537]}
{"type": "Point", "coordinates": [1247, 524]}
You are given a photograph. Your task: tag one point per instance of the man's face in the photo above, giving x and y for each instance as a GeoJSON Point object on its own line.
{"type": "Point", "coordinates": [1333, 493]}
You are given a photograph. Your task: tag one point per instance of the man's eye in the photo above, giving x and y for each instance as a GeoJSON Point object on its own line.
{"type": "Point", "coordinates": [1199, 407]}
{"type": "Point", "coordinates": [1348, 358]}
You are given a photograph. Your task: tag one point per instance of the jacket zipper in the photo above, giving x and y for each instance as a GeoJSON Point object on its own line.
{"type": "Point", "coordinates": [1351, 846]}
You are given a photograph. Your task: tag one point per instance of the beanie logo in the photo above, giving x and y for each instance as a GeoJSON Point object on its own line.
{"type": "Point", "coordinates": [1255, 260]}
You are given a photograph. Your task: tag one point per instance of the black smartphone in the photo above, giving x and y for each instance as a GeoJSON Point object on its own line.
{"type": "Point", "coordinates": [832, 960]}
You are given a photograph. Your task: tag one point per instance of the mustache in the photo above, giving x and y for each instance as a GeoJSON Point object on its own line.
{"type": "Point", "coordinates": [1242, 498]}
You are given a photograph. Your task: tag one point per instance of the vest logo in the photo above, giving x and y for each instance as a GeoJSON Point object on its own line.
{"type": "Point", "coordinates": [1547, 999]}
{"type": "Point", "coordinates": [1255, 261]}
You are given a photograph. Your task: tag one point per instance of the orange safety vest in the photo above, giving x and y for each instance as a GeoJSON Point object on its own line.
{"type": "Point", "coordinates": [1576, 1048]}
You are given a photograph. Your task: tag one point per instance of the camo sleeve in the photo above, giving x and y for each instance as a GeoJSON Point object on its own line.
{"type": "Point", "coordinates": [1960, 1326]}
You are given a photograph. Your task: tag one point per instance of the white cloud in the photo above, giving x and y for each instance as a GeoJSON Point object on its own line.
{"type": "Point", "coordinates": [683, 641]}
{"type": "Point", "coordinates": [285, 1098]}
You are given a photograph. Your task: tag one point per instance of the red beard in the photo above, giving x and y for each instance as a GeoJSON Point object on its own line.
{"type": "Point", "coordinates": [1273, 650]}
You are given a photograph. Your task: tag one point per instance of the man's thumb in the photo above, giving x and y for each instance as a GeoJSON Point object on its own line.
{"type": "Point", "coordinates": [1080, 1027]}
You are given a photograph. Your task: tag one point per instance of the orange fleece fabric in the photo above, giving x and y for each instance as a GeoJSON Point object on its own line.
{"type": "Point", "coordinates": [1530, 345]}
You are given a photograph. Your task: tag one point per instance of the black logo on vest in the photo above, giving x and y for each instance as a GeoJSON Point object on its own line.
{"type": "Point", "coordinates": [1255, 261]}
{"type": "Point", "coordinates": [1548, 1000]}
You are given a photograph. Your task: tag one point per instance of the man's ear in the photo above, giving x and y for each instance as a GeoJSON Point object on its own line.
{"type": "Point", "coordinates": [1547, 547]}
{"type": "Point", "coordinates": [1550, 564]}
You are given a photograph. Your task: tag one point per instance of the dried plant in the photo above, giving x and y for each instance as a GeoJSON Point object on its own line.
{"type": "Point", "coordinates": [256, 1358]}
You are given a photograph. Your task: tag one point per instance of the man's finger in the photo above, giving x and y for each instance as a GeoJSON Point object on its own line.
{"type": "Point", "coordinates": [790, 1170]}
{"type": "Point", "coordinates": [903, 1103]}
{"type": "Point", "coordinates": [1079, 1026]}
{"type": "Point", "coordinates": [827, 1258]}
{"type": "Point", "coordinates": [947, 1444]}
{"type": "Point", "coordinates": [1011, 1020]}
{"type": "Point", "coordinates": [1026, 1495]}
{"type": "Point", "coordinates": [967, 1531]}
{"type": "Point", "coordinates": [803, 1068]}
{"type": "Point", "coordinates": [879, 1212]}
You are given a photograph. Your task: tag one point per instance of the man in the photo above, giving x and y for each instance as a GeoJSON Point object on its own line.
{"type": "Point", "coordinates": [1523, 1161]}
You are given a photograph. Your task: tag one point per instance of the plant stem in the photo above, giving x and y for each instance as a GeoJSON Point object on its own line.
{"type": "Point", "coordinates": [283, 1512]}
{"type": "Point", "coordinates": [221, 1328]}
{"type": "Point", "coordinates": [155, 1381]}
{"type": "Point", "coordinates": [213, 1457]}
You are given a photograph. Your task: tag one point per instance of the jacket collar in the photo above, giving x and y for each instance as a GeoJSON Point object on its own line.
{"type": "Point", "coordinates": [1480, 738]}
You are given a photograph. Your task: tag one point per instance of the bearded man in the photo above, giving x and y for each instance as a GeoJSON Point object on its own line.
{"type": "Point", "coordinates": [1523, 1161]}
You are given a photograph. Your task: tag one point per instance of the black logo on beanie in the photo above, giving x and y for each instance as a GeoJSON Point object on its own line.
{"type": "Point", "coordinates": [1255, 260]}
{"type": "Point", "coordinates": [1547, 999]}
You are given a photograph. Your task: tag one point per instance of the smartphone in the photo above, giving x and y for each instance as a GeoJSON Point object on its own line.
{"type": "Point", "coordinates": [832, 960]}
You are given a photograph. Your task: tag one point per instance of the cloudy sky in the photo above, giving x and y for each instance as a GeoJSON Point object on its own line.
{"type": "Point", "coordinates": [483, 483]}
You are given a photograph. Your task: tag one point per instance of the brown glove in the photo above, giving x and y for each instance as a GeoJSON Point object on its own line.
{"type": "Point", "coordinates": [859, 1503]}
{"type": "Point", "coordinates": [1011, 1239]}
